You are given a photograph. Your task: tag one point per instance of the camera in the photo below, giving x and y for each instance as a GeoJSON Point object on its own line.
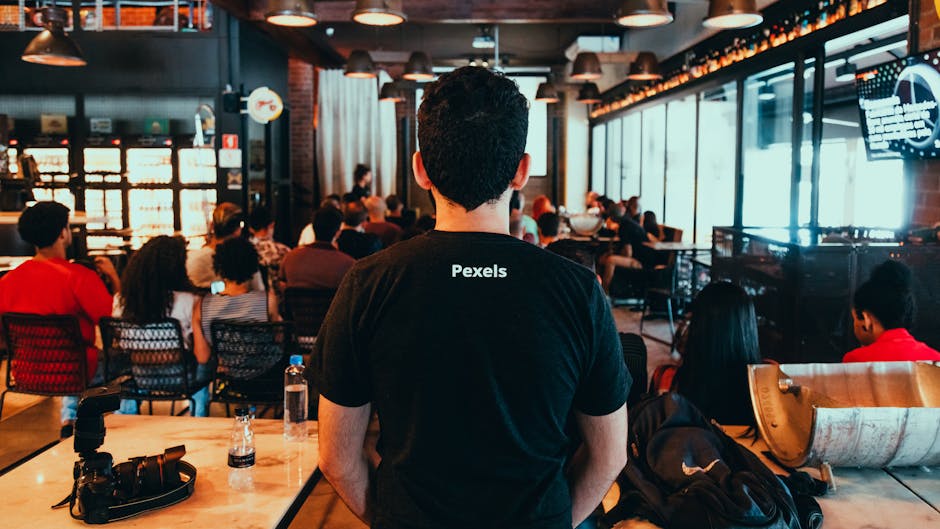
{"type": "Point", "coordinates": [104, 492]}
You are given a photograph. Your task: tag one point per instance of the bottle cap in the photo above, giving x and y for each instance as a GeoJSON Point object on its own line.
{"type": "Point", "coordinates": [241, 412]}
{"type": "Point", "coordinates": [296, 360]}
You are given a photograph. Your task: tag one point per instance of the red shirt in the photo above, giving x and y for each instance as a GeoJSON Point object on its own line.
{"type": "Point", "coordinates": [56, 286]}
{"type": "Point", "coordinates": [894, 345]}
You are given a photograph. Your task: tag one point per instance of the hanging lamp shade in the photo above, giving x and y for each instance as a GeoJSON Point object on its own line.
{"type": "Point", "coordinates": [644, 13]}
{"type": "Point", "coordinates": [589, 94]}
{"type": "Point", "coordinates": [546, 93]}
{"type": "Point", "coordinates": [645, 68]}
{"type": "Point", "coordinates": [732, 14]}
{"type": "Point", "coordinates": [846, 72]}
{"type": "Point", "coordinates": [390, 91]}
{"type": "Point", "coordinates": [419, 67]}
{"type": "Point", "coordinates": [52, 46]}
{"type": "Point", "coordinates": [379, 12]}
{"type": "Point", "coordinates": [291, 13]}
{"type": "Point", "coordinates": [360, 65]}
{"type": "Point", "coordinates": [587, 67]}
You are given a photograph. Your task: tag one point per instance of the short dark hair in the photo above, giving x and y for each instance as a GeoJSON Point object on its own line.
{"type": "Point", "coordinates": [349, 198]}
{"type": "Point", "coordinates": [888, 296]}
{"type": "Point", "coordinates": [260, 218]}
{"type": "Point", "coordinates": [326, 222]}
{"type": "Point", "coordinates": [354, 214]}
{"type": "Point", "coordinates": [549, 224]}
{"type": "Point", "coordinates": [360, 172]}
{"type": "Point", "coordinates": [392, 202]}
{"type": "Point", "coordinates": [236, 260]}
{"type": "Point", "coordinates": [42, 223]}
{"type": "Point", "coordinates": [472, 128]}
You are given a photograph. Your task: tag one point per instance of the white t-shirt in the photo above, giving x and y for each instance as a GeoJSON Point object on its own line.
{"type": "Point", "coordinates": [307, 236]}
{"type": "Point", "coordinates": [181, 310]}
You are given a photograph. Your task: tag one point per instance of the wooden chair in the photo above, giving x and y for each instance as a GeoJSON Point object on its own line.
{"type": "Point", "coordinates": [47, 355]}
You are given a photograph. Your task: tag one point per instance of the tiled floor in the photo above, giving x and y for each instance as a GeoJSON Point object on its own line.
{"type": "Point", "coordinates": [31, 423]}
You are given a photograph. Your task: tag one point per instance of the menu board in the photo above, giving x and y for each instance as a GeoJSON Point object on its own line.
{"type": "Point", "coordinates": [898, 102]}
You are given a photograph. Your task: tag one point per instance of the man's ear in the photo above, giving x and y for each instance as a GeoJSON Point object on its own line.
{"type": "Point", "coordinates": [868, 321]}
{"type": "Point", "coordinates": [421, 175]}
{"type": "Point", "coordinates": [64, 235]}
{"type": "Point", "coordinates": [522, 173]}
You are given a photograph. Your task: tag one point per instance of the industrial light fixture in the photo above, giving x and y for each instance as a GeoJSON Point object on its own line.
{"type": "Point", "coordinates": [846, 72]}
{"type": "Point", "coordinates": [589, 94]}
{"type": "Point", "coordinates": [379, 12]}
{"type": "Point", "coordinates": [645, 68]}
{"type": "Point", "coordinates": [732, 14]}
{"type": "Point", "coordinates": [419, 67]}
{"type": "Point", "coordinates": [484, 41]}
{"type": "Point", "coordinates": [291, 13]}
{"type": "Point", "coordinates": [391, 92]}
{"type": "Point", "coordinates": [360, 65]}
{"type": "Point", "coordinates": [546, 93]}
{"type": "Point", "coordinates": [766, 93]}
{"type": "Point", "coordinates": [52, 46]}
{"type": "Point", "coordinates": [644, 13]}
{"type": "Point", "coordinates": [587, 67]}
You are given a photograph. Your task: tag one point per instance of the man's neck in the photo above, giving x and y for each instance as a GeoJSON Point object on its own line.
{"type": "Point", "coordinates": [378, 218]}
{"type": "Point", "coordinates": [56, 251]}
{"type": "Point", "coordinates": [488, 218]}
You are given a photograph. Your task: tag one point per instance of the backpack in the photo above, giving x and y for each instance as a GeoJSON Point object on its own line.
{"type": "Point", "coordinates": [684, 472]}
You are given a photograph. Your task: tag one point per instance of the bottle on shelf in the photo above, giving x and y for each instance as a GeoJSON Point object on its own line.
{"type": "Point", "coordinates": [241, 452]}
{"type": "Point", "coordinates": [295, 400]}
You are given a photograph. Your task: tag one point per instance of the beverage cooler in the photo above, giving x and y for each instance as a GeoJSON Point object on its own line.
{"type": "Point", "coordinates": [52, 154]}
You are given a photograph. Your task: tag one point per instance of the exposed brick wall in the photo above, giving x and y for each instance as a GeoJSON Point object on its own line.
{"type": "Point", "coordinates": [300, 95]}
{"type": "Point", "coordinates": [926, 174]}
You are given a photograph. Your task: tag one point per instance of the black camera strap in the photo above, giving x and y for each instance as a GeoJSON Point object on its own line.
{"type": "Point", "coordinates": [150, 503]}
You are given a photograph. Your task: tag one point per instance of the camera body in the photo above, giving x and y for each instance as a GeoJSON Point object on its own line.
{"type": "Point", "coordinates": [99, 484]}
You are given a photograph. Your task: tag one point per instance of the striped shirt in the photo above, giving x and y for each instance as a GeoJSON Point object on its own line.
{"type": "Point", "coordinates": [249, 307]}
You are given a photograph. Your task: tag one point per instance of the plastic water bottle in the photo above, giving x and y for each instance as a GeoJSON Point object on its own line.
{"type": "Point", "coordinates": [241, 452]}
{"type": "Point", "coordinates": [295, 400]}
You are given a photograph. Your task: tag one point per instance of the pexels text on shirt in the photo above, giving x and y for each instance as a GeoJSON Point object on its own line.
{"type": "Point", "coordinates": [493, 272]}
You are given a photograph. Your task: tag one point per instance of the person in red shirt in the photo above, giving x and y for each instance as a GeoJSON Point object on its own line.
{"type": "Point", "coordinates": [883, 310]}
{"type": "Point", "coordinates": [49, 284]}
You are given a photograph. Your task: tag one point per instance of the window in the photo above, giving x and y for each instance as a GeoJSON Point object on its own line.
{"type": "Point", "coordinates": [717, 130]}
{"type": "Point", "coordinates": [537, 140]}
{"type": "Point", "coordinates": [680, 166]}
{"type": "Point", "coordinates": [599, 158]}
{"type": "Point", "coordinates": [631, 155]}
{"type": "Point", "coordinates": [652, 188]}
{"type": "Point", "coordinates": [613, 159]}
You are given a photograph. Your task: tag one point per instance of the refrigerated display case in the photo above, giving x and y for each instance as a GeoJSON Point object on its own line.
{"type": "Point", "coordinates": [149, 165]}
{"type": "Point", "coordinates": [150, 214]}
{"type": "Point", "coordinates": [52, 159]}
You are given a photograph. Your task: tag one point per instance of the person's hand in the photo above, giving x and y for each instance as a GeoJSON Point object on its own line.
{"type": "Point", "coordinates": [105, 267]}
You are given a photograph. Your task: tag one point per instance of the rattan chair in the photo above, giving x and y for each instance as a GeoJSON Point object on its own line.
{"type": "Point", "coordinates": [252, 357]}
{"type": "Point", "coordinates": [307, 308]}
{"type": "Point", "coordinates": [151, 360]}
{"type": "Point", "coordinates": [46, 355]}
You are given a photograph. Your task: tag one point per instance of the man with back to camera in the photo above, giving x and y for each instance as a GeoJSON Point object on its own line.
{"type": "Point", "coordinates": [473, 388]}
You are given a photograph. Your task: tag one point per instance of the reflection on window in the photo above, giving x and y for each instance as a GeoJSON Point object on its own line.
{"type": "Point", "coordinates": [598, 158]}
{"type": "Point", "coordinates": [632, 147]}
{"type": "Point", "coordinates": [680, 166]}
{"type": "Point", "coordinates": [717, 127]}
{"type": "Point", "coordinates": [652, 188]}
{"type": "Point", "coordinates": [613, 160]}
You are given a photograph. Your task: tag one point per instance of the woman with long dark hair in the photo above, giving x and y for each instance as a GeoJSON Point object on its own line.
{"type": "Point", "coordinates": [654, 230]}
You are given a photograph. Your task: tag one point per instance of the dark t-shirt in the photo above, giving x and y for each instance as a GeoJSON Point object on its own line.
{"type": "Point", "coordinates": [357, 244]}
{"type": "Point", "coordinates": [635, 235]}
{"type": "Point", "coordinates": [388, 232]}
{"type": "Point", "coordinates": [474, 349]}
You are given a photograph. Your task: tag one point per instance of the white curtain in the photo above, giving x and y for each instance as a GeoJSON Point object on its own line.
{"type": "Point", "coordinates": [354, 127]}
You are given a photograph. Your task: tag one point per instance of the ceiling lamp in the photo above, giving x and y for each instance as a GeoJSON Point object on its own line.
{"type": "Point", "coordinates": [391, 92]}
{"type": "Point", "coordinates": [846, 72]}
{"type": "Point", "coordinates": [587, 67]}
{"type": "Point", "coordinates": [52, 46]}
{"type": "Point", "coordinates": [291, 13]}
{"type": "Point", "coordinates": [644, 13]}
{"type": "Point", "coordinates": [484, 41]}
{"type": "Point", "coordinates": [589, 94]}
{"type": "Point", "coordinates": [766, 93]}
{"type": "Point", "coordinates": [379, 12]}
{"type": "Point", "coordinates": [645, 68]}
{"type": "Point", "coordinates": [419, 67]}
{"type": "Point", "coordinates": [360, 65]}
{"type": "Point", "coordinates": [732, 14]}
{"type": "Point", "coordinates": [546, 93]}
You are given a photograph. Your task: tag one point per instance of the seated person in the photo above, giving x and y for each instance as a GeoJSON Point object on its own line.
{"type": "Point", "coordinates": [721, 343]}
{"type": "Point", "coordinates": [352, 239]}
{"type": "Point", "coordinates": [389, 233]}
{"type": "Point", "coordinates": [319, 265]}
{"type": "Point", "coordinates": [270, 252]}
{"type": "Point", "coordinates": [397, 214]}
{"type": "Point", "coordinates": [654, 229]}
{"type": "Point", "coordinates": [549, 223]}
{"type": "Point", "coordinates": [227, 221]}
{"type": "Point", "coordinates": [49, 284]}
{"type": "Point", "coordinates": [882, 310]}
{"type": "Point", "coordinates": [517, 203]}
{"type": "Point", "coordinates": [155, 287]}
{"type": "Point", "coordinates": [236, 262]}
{"type": "Point", "coordinates": [306, 235]}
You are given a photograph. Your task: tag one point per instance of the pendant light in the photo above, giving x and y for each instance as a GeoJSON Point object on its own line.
{"type": "Point", "coordinates": [360, 65]}
{"type": "Point", "coordinates": [291, 13]}
{"type": "Point", "coordinates": [391, 91]}
{"type": "Point", "coordinates": [589, 94]}
{"type": "Point", "coordinates": [419, 67]}
{"type": "Point", "coordinates": [587, 67]}
{"type": "Point", "coordinates": [644, 13]}
{"type": "Point", "coordinates": [379, 12]}
{"type": "Point", "coordinates": [52, 46]}
{"type": "Point", "coordinates": [732, 14]}
{"type": "Point", "coordinates": [546, 93]}
{"type": "Point", "coordinates": [846, 72]}
{"type": "Point", "coordinates": [645, 68]}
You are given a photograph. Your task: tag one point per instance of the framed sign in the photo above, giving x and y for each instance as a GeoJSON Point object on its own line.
{"type": "Point", "coordinates": [264, 105]}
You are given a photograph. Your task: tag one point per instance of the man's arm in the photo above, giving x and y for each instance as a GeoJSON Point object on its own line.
{"type": "Point", "coordinates": [598, 461]}
{"type": "Point", "coordinates": [342, 432]}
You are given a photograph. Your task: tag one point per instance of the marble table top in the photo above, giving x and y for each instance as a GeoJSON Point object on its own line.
{"type": "Point", "coordinates": [283, 473]}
